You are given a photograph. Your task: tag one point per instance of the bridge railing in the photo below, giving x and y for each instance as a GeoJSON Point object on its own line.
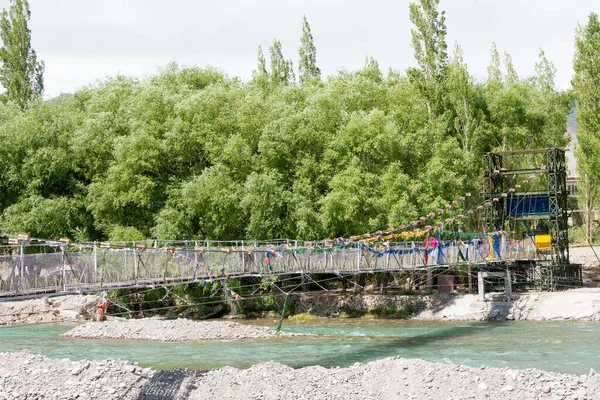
{"type": "Point", "coordinates": [86, 267]}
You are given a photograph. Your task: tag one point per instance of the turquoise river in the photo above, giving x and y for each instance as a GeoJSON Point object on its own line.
{"type": "Point", "coordinates": [570, 347]}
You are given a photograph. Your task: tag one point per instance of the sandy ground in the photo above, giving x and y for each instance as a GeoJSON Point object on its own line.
{"type": "Point", "coordinates": [171, 330]}
{"type": "Point", "coordinates": [25, 376]}
{"type": "Point", "coordinates": [589, 258]}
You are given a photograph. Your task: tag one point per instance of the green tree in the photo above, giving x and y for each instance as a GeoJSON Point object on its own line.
{"type": "Point", "coordinates": [586, 86]}
{"type": "Point", "coordinates": [494, 80]}
{"type": "Point", "coordinates": [21, 74]}
{"type": "Point", "coordinates": [511, 74]}
{"type": "Point", "coordinates": [307, 66]}
{"type": "Point", "coordinates": [282, 71]}
{"type": "Point", "coordinates": [466, 102]}
{"type": "Point", "coordinates": [429, 43]}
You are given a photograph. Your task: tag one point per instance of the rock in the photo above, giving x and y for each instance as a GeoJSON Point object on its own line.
{"type": "Point", "coordinates": [546, 389]}
{"type": "Point", "coordinates": [68, 314]}
{"type": "Point", "coordinates": [509, 388]}
{"type": "Point", "coordinates": [482, 386]}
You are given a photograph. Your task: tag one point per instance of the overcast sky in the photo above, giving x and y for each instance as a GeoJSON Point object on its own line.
{"type": "Point", "coordinates": [82, 41]}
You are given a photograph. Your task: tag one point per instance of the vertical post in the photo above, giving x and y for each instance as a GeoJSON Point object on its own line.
{"type": "Point", "coordinates": [135, 264]}
{"type": "Point", "coordinates": [64, 268]}
{"type": "Point", "coordinates": [507, 285]}
{"type": "Point", "coordinates": [429, 284]}
{"type": "Point", "coordinates": [228, 300]}
{"type": "Point", "coordinates": [470, 278]}
{"type": "Point", "coordinates": [22, 274]}
{"type": "Point", "coordinates": [195, 260]}
{"type": "Point", "coordinates": [95, 263]}
{"type": "Point", "coordinates": [480, 286]}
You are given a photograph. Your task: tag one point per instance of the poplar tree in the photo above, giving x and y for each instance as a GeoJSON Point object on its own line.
{"type": "Point", "coordinates": [429, 43]}
{"type": "Point", "coordinates": [494, 72]}
{"type": "Point", "coordinates": [261, 69]}
{"type": "Point", "coordinates": [307, 67]}
{"type": "Point", "coordinates": [281, 69]}
{"type": "Point", "coordinates": [21, 74]}
{"type": "Point", "coordinates": [511, 73]}
{"type": "Point", "coordinates": [586, 85]}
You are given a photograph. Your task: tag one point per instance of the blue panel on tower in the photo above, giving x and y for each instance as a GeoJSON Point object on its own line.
{"type": "Point", "coordinates": [526, 205]}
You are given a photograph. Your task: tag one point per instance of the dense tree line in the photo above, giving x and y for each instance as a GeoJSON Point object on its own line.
{"type": "Point", "coordinates": [193, 153]}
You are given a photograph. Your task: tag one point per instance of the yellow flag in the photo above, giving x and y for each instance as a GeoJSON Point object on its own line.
{"type": "Point", "coordinates": [490, 256]}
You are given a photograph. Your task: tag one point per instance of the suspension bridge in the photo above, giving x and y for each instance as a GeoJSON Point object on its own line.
{"type": "Point", "coordinates": [515, 222]}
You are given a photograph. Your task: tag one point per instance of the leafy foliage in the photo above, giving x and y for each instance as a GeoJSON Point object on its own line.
{"type": "Point", "coordinates": [192, 153]}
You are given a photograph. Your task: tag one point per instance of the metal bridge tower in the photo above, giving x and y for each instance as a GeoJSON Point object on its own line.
{"type": "Point", "coordinates": [531, 185]}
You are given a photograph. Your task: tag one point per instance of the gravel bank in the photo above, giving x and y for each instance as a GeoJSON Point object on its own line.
{"type": "Point", "coordinates": [25, 376]}
{"type": "Point", "coordinates": [171, 330]}
{"type": "Point", "coordinates": [392, 378]}
{"type": "Point", "coordinates": [28, 376]}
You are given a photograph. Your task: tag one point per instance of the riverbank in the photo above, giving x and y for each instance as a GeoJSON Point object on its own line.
{"type": "Point", "coordinates": [27, 376]}
{"type": "Point", "coordinates": [582, 304]}
{"type": "Point", "coordinates": [49, 309]}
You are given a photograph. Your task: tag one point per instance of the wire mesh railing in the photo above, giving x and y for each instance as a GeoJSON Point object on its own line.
{"type": "Point", "coordinates": [94, 266]}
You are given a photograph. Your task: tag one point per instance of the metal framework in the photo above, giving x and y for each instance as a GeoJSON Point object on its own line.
{"type": "Point", "coordinates": [545, 181]}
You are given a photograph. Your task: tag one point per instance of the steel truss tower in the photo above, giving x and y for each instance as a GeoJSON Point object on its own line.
{"type": "Point", "coordinates": [546, 201]}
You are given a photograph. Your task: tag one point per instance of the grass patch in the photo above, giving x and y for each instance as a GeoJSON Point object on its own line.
{"type": "Point", "coordinates": [403, 312]}
{"type": "Point", "coordinates": [303, 317]}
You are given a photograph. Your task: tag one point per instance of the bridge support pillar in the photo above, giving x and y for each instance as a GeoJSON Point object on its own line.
{"type": "Point", "coordinates": [384, 279]}
{"type": "Point", "coordinates": [360, 281]}
{"type": "Point", "coordinates": [229, 300]}
{"type": "Point", "coordinates": [429, 282]}
{"type": "Point", "coordinates": [481, 284]}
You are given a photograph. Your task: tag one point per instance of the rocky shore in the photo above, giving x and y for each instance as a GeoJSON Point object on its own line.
{"type": "Point", "coordinates": [392, 378]}
{"type": "Point", "coordinates": [25, 376]}
{"type": "Point", "coordinates": [581, 304]}
{"type": "Point", "coordinates": [171, 330]}
{"type": "Point", "coordinates": [49, 309]}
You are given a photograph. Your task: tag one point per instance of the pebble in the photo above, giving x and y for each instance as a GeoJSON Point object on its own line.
{"type": "Point", "coordinates": [546, 389]}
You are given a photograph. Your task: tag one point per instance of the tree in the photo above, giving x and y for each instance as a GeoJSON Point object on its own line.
{"type": "Point", "coordinates": [586, 84]}
{"type": "Point", "coordinates": [494, 73]}
{"type": "Point", "coordinates": [307, 66]}
{"type": "Point", "coordinates": [21, 74]}
{"type": "Point", "coordinates": [281, 69]}
{"type": "Point", "coordinates": [429, 43]}
{"type": "Point", "coordinates": [261, 69]}
{"type": "Point", "coordinates": [511, 74]}
{"type": "Point", "coordinates": [462, 95]}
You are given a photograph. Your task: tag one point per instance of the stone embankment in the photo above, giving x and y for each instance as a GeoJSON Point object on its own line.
{"type": "Point", "coordinates": [172, 330]}
{"type": "Point", "coordinates": [49, 309]}
{"type": "Point", "coordinates": [576, 304]}
{"type": "Point", "coordinates": [25, 376]}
